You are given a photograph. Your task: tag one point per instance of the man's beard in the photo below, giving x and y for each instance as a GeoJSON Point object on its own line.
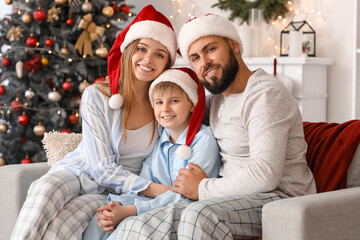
{"type": "Point", "coordinates": [219, 85]}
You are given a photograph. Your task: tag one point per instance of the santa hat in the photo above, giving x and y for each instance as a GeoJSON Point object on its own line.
{"type": "Point", "coordinates": [208, 25]}
{"type": "Point", "coordinates": [149, 23]}
{"type": "Point", "coordinates": [187, 80]}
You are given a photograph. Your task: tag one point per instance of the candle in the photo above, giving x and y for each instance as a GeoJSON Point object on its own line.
{"type": "Point", "coordinates": [295, 44]}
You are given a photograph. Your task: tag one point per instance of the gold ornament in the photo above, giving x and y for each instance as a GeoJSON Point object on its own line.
{"type": "Point", "coordinates": [2, 161]}
{"type": "Point", "coordinates": [60, 2]}
{"type": "Point", "coordinates": [19, 67]}
{"type": "Point", "coordinates": [102, 51]}
{"type": "Point", "coordinates": [83, 85]}
{"type": "Point", "coordinates": [86, 6]}
{"type": "Point", "coordinates": [39, 130]}
{"type": "Point", "coordinates": [91, 33]}
{"type": "Point", "coordinates": [3, 128]}
{"type": "Point", "coordinates": [8, 2]}
{"type": "Point", "coordinates": [15, 33]}
{"type": "Point", "coordinates": [64, 50]}
{"type": "Point", "coordinates": [53, 14]}
{"type": "Point", "coordinates": [44, 61]}
{"type": "Point", "coordinates": [108, 11]}
{"type": "Point", "coordinates": [26, 18]}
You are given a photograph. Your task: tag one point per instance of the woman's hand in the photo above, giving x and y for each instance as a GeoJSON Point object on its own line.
{"type": "Point", "coordinates": [155, 189]}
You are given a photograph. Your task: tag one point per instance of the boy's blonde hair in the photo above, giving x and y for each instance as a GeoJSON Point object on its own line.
{"type": "Point", "coordinates": [171, 87]}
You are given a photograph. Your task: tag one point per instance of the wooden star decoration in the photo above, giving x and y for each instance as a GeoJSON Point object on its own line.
{"type": "Point", "coordinates": [53, 14]}
{"type": "Point", "coordinates": [15, 33]}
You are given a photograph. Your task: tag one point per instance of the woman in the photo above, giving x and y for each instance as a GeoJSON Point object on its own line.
{"type": "Point", "coordinates": [115, 140]}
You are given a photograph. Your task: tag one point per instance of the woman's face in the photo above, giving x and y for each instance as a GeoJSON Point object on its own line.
{"type": "Point", "coordinates": [149, 59]}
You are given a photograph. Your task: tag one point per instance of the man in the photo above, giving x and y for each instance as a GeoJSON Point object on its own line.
{"type": "Point", "coordinates": [259, 130]}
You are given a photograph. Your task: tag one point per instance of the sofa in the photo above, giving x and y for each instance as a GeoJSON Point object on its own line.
{"type": "Point", "coordinates": [332, 214]}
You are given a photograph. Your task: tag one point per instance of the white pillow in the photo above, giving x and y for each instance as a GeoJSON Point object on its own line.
{"type": "Point", "coordinates": [57, 145]}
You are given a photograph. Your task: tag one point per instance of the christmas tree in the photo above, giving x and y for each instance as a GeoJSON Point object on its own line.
{"type": "Point", "coordinates": [50, 52]}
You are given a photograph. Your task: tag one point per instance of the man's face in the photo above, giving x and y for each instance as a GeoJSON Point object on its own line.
{"type": "Point", "coordinates": [214, 62]}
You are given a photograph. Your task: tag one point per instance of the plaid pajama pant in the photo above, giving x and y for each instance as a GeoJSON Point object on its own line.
{"type": "Point", "coordinates": [232, 217]}
{"type": "Point", "coordinates": [54, 208]}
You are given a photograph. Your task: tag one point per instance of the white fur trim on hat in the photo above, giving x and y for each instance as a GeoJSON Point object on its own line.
{"type": "Point", "coordinates": [154, 30]}
{"type": "Point", "coordinates": [183, 152]}
{"type": "Point", "coordinates": [208, 25]}
{"type": "Point", "coordinates": [116, 101]}
{"type": "Point", "coordinates": [180, 78]}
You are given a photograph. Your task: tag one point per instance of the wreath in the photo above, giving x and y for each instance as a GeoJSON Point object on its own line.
{"type": "Point", "coordinates": [240, 8]}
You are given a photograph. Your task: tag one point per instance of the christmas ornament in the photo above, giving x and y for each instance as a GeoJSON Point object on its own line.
{"type": "Point", "coordinates": [73, 119]}
{"type": "Point", "coordinates": [64, 50]}
{"type": "Point", "coordinates": [108, 11]}
{"type": "Point", "coordinates": [115, 7]}
{"type": "Point", "coordinates": [19, 66]}
{"type": "Point", "coordinates": [26, 18]}
{"type": "Point", "coordinates": [86, 6]}
{"type": "Point", "coordinates": [65, 130]}
{"type": "Point", "coordinates": [15, 33]}
{"type": "Point", "coordinates": [44, 61]}
{"type": "Point", "coordinates": [60, 2]}
{"type": "Point", "coordinates": [31, 41]}
{"type": "Point", "coordinates": [39, 130]}
{"type": "Point", "coordinates": [23, 120]}
{"type": "Point", "coordinates": [39, 15]}
{"type": "Point", "coordinates": [3, 128]}
{"type": "Point", "coordinates": [101, 51]}
{"type": "Point", "coordinates": [70, 22]}
{"type": "Point", "coordinates": [99, 79]}
{"type": "Point", "coordinates": [90, 34]}
{"type": "Point", "coordinates": [25, 160]}
{"type": "Point", "coordinates": [6, 62]}
{"type": "Point", "coordinates": [83, 85]}
{"type": "Point", "coordinates": [2, 90]}
{"type": "Point", "coordinates": [54, 96]}
{"type": "Point", "coordinates": [29, 93]}
{"type": "Point", "coordinates": [16, 105]}
{"type": "Point", "coordinates": [2, 161]}
{"type": "Point", "coordinates": [53, 14]}
{"type": "Point", "coordinates": [67, 85]}
{"type": "Point", "coordinates": [125, 9]}
{"type": "Point", "coordinates": [49, 42]}
{"type": "Point", "coordinates": [6, 20]}
{"type": "Point", "coordinates": [8, 2]}
{"type": "Point", "coordinates": [34, 64]}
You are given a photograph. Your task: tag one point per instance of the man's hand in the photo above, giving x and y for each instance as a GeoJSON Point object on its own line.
{"type": "Point", "coordinates": [188, 181]}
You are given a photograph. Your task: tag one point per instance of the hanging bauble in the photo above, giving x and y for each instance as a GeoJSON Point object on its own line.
{"type": "Point", "coordinates": [65, 130]}
{"type": "Point", "coordinates": [86, 6]}
{"type": "Point", "coordinates": [29, 93]}
{"type": "Point", "coordinates": [83, 85]}
{"type": "Point", "coordinates": [23, 120]}
{"type": "Point", "coordinates": [67, 85]}
{"type": "Point", "coordinates": [6, 62]}
{"type": "Point", "coordinates": [31, 41]}
{"type": "Point", "coordinates": [19, 66]}
{"type": "Point", "coordinates": [64, 50]}
{"type": "Point", "coordinates": [108, 11]}
{"type": "Point", "coordinates": [115, 7]}
{"type": "Point", "coordinates": [8, 2]}
{"type": "Point", "coordinates": [70, 22]}
{"type": "Point", "coordinates": [49, 42]}
{"type": "Point", "coordinates": [39, 130]}
{"type": "Point", "coordinates": [2, 90]}
{"type": "Point", "coordinates": [44, 61]}
{"type": "Point", "coordinates": [26, 18]}
{"type": "Point", "coordinates": [73, 119]}
{"type": "Point", "coordinates": [7, 20]}
{"type": "Point", "coordinates": [2, 161]}
{"type": "Point", "coordinates": [26, 160]}
{"type": "Point", "coordinates": [99, 79]}
{"type": "Point", "coordinates": [60, 2]}
{"type": "Point", "coordinates": [3, 128]}
{"type": "Point", "coordinates": [54, 96]}
{"type": "Point", "coordinates": [101, 51]}
{"type": "Point", "coordinates": [125, 9]}
{"type": "Point", "coordinates": [16, 105]}
{"type": "Point", "coordinates": [39, 15]}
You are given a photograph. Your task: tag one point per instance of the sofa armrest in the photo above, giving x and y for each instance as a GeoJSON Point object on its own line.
{"type": "Point", "coordinates": [15, 182]}
{"type": "Point", "coordinates": [329, 215]}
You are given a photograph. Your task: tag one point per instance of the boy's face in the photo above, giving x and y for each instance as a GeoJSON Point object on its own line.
{"type": "Point", "coordinates": [172, 110]}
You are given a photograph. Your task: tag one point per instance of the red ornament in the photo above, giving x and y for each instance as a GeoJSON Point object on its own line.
{"type": "Point", "coordinates": [67, 86]}
{"type": "Point", "coordinates": [70, 22]}
{"type": "Point", "coordinates": [115, 7]}
{"type": "Point", "coordinates": [6, 62]}
{"type": "Point", "coordinates": [31, 41]}
{"type": "Point", "coordinates": [73, 119]}
{"type": "Point", "coordinates": [65, 130]}
{"type": "Point", "coordinates": [99, 79]}
{"type": "Point", "coordinates": [2, 90]}
{"type": "Point", "coordinates": [125, 9]}
{"type": "Point", "coordinates": [23, 120]}
{"type": "Point", "coordinates": [16, 105]}
{"type": "Point", "coordinates": [26, 160]}
{"type": "Point", "coordinates": [34, 64]}
{"type": "Point", "coordinates": [49, 42]}
{"type": "Point", "coordinates": [39, 15]}
{"type": "Point", "coordinates": [7, 20]}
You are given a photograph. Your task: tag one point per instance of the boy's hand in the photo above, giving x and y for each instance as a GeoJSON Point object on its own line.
{"type": "Point", "coordinates": [106, 217]}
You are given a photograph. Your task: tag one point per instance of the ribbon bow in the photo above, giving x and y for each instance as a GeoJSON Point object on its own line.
{"type": "Point", "coordinates": [91, 33]}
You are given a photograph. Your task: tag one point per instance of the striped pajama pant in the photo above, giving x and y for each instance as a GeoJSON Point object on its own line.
{"type": "Point", "coordinates": [54, 208]}
{"type": "Point", "coordinates": [232, 217]}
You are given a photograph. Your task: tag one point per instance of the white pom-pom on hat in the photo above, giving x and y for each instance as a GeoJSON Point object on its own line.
{"type": "Point", "coordinates": [116, 101]}
{"type": "Point", "coordinates": [183, 152]}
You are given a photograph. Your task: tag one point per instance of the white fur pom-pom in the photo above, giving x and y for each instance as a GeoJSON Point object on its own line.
{"type": "Point", "coordinates": [116, 101]}
{"type": "Point", "coordinates": [183, 152]}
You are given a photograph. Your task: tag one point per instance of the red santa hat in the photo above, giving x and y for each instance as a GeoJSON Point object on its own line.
{"type": "Point", "coordinates": [187, 80]}
{"type": "Point", "coordinates": [207, 25]}
{"type": "Point", "coordinates": [149, 23]}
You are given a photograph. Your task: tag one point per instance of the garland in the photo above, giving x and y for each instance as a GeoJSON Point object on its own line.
{"type": "Point", "coordinates": [240, 8]}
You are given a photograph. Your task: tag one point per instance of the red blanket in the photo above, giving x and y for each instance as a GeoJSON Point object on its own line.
{"type": "Point", "coordinates": [331, 147]}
